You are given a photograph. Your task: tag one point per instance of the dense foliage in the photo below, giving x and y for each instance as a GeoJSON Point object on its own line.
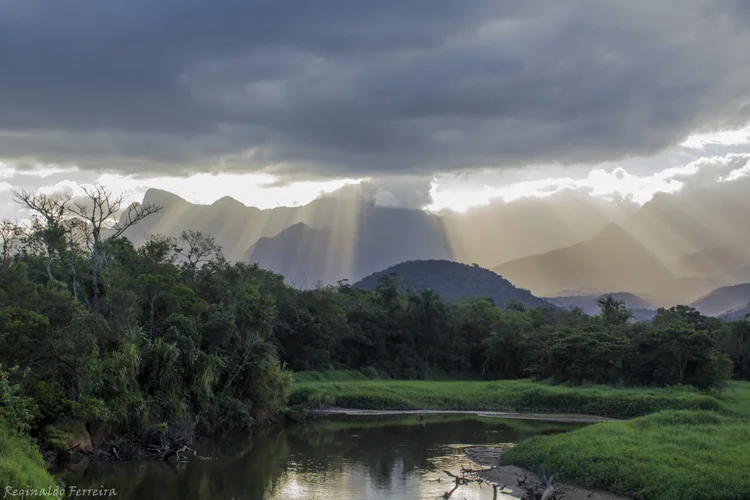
{"type": "Point", "coordinates": [420, 335]}
{"type": "Point", "coordinates": [166, 338]}
{"type": "Point", "coordinates": [170, 335]}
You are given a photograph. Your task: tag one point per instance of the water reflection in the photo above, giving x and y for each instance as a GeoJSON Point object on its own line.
{"type": "Point", "coordinates": [338, 458]}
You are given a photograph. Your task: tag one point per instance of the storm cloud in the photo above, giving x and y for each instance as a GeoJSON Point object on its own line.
{"type": "Point", "coordinates": [346, 88]}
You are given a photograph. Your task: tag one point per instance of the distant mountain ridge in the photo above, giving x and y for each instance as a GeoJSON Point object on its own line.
{"type": "Point", "coordinates": [669, 251]}
{"type": "Point", "coordinates": [613, 260]}
{"type": "Point", "coordinates": [726, 300]}
{"type": "Point", "coordinates": [234, 225]}
{"type": "Point", "coordinates": [342, 235]}
{"type": "Point", "coordinates": [454, 280]}
{"type": "Point", "coordinates": [377, 238]}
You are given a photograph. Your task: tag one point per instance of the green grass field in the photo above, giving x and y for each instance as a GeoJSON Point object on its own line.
{"type": "Point", "coordinates": [353, 390]}
{"type": "Point", "coordinates": [670, 455]}
{"type": "Point", "coordinates": [21, 464]}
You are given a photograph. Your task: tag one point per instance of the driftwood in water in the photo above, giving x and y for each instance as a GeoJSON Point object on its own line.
{"type": "Point", "coordinates": [541, 490]}
{"type": "Point", "coordinates": [172, 446]}
{"type": "Point", "coordinates": [471, 476]}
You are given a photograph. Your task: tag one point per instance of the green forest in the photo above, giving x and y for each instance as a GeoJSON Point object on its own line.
{"type": "Point", "coordinates": [96, 334]}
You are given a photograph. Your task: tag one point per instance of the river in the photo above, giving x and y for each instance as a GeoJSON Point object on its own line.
{"type": "Point", "coordinates": [337, 458]}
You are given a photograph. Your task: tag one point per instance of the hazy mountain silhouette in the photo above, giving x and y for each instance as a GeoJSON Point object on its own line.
{"type": "Point", "coordinates": [234, 225]}
{"type": "Point", "coordinates": [503, 231]}
{"type": "Point", "coordinates": [678, 291]}
{"type": "Point", "coordinates": [736, 314]}
{"type": "Point", "coordinates": [372, 239]}
{"type": "Point", "coordinates": [725, 264]}
{"type": "Point", "coordinates": [696, 229]}
{"type": "Point", "coordinates": [453, 280]}
{"type": "Point", "coordinates": [674, 249]}
{"type": "Point", "coordinates": [300, 253]}
{"type": "Point", "coordinates": [611, 261]}
{"type": "Point", "coordinates": [349, 228]}
{"type": "Point", "coordinates": [724, 300]}
{"type": "Point", "coordinates": [642, 310]}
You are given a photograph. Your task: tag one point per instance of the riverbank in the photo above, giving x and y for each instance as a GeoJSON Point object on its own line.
{"type": "Point", "coordinates": [509, 475]}
{"type": "Point", "coordinates": [21, 463]}
{"type": "Point", "coordinates": [683, 444]}
{"type": "Point", "coordinates": [670, 455]}
{"type": "Point", "coordinates": [514, 396]}
{"type": "Point", "coordinates": [546, 417]}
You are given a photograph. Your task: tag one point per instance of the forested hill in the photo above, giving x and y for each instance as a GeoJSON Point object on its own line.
{"type": "Point", "coordinates": [453, 280]}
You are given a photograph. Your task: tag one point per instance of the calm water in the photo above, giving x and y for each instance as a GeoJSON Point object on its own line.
{"type": "Point", "coordinates": [339, 458]}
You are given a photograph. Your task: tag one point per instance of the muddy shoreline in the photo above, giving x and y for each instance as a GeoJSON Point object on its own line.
{"type": "Point", "coordinates": [551, 417]}
{"type": "Point", "coordinates": [508, 475]}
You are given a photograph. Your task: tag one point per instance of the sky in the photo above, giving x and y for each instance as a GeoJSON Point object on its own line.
{"type": "Point", "coordinates": [437, 104]}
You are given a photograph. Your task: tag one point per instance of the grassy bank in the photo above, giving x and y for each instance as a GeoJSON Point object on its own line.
{"type": "Point", "coordinates": [504, 395]}
{"type": "Point", "coordinates": [21, 464]}
{"type": "Point", "coordinates": [669, 455]}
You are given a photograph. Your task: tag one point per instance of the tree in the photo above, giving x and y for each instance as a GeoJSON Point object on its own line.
{"type": "Point", "coordinates": [75, 235]}
{"type": "Point", "coordinates": [100, 207]}
{"type": "Point", "coordinates": [613, 311]}
{"type": "Point", "coordinates": [48, 224]}
{"type": "Point", "coordinates": [9, 233]}
{"type": "Point", "coordinates": [153, 286]}
{"type": "Point", "coordinates": [734, 340]}
{"type": "Point", "coordinates": [197, 248]}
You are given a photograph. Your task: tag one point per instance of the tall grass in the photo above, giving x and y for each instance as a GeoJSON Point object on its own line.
{"type": "Point", "coordinates": [670, 455]}
{"type": "Point", "coordinates": [505, 395]}
{"type": "Point", "coordinates": [736, 397]}
{"type": "Point", "coordinates": [21, 464]}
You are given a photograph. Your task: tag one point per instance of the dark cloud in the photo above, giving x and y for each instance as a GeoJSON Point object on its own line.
{"type": "Point", "coordinates": [349, 88]}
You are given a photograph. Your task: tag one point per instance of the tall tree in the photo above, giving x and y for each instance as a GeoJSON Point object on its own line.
{"type": "Point", "coordinates": [613, 311]}
{"type": "Point", "coordinates": [9, 233]}
{"type": "Point", "coordinates": [76, 233]}
{"type": "Point", "coordinates": [99, 209]}
{"type": "Point", "coordinates": [48, 224]}
{"type": "Point", "coordinates": [197, 248]}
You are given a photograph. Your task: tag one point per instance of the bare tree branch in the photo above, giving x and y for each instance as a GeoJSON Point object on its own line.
{"type": "Point", "coordinates": [101, 207]}
{"type": "Point", "coordinates": [136, 213]}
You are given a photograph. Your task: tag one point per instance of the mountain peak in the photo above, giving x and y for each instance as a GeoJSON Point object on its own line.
{"type": "Point", "coordinates": [161, 197]}
{"type": "Point", "coordinates": [227, 202]}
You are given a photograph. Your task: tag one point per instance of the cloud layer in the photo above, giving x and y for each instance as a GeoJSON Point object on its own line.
{"type": "Point", "coordinates": [349, 89]}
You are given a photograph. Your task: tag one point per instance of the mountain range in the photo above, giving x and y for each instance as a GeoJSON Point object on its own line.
{"type": "Point", "coordinates": [673, 249]}
{"type": "Point", "coordinates": [725, 301]}
{"type": "Point", "coordinates": [613, 260]}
